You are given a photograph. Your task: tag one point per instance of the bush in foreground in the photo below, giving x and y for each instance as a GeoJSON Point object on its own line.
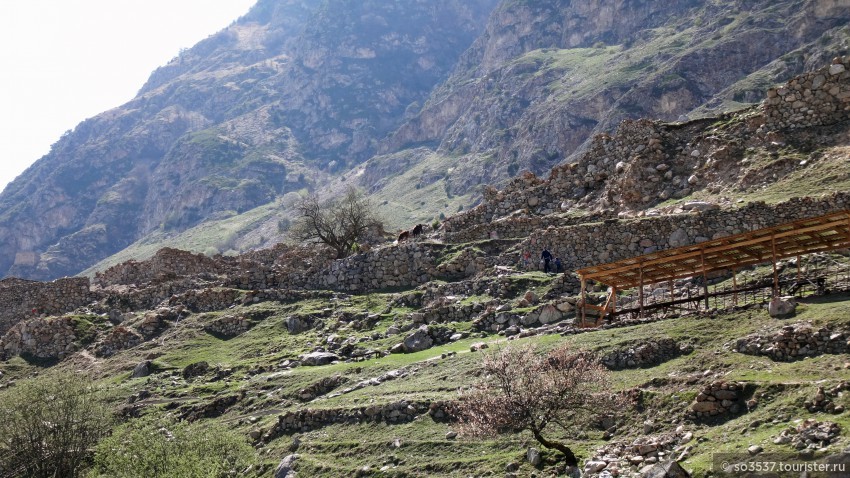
{"type": "Point", "coordinates": [49, 425]}
{"type": "Point", "coordinates": [160, 448]}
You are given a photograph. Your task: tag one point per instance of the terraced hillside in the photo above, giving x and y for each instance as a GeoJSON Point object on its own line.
{"type": "Point", "coordinates": [350, 367]}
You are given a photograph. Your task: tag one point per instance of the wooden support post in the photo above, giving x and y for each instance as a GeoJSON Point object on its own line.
{"type": "Point", "coordinates": [799, 271]}
{"type": "Point", "coordinates": [640, 291]}
{"type": "Point", "coordinates": [704, 278]}
{"type": "Point", "coordinates": [775, 272]}
{"type": "Point", "coordinates": [734, 286]}
{"type": "Point", "coordinates": [583, 299]}
{"type": "Point", "coordinates": [613, 300]}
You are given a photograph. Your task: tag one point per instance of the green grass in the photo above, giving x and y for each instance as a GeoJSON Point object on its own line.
{"type": "Point", "coordinates": [342, 449]}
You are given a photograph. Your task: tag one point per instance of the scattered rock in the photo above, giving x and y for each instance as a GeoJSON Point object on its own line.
{"type": "Point", "coordinates": [781, 307]}
{"type": "Point", "coordinates": [143, 369]}
{"type": "Point", "coordinates": [532, 455]}
{"type": "Point", "coordinates": [418, 341]}
{"type": "Point", "coordinates": [670, 469]}
{"type": "Point", "coordinates": [318, 358]}
{"type": "Point", "coordinates": [286, 468]}
{"type": "Point", "coordinates": [195, 370]}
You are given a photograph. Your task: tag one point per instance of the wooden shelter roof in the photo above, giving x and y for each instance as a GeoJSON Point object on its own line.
{"type": "Point", "coordinates": [805, 236]}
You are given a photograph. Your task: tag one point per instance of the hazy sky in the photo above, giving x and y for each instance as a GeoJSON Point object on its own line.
{"type": "Point", "coordinates": [67, 60]}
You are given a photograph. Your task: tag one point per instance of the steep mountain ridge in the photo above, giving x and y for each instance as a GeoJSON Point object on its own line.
{"type": "Point", "coordinates": [243, 117]}
{"type": "Point", "coordinates": [538, 94]}
{"type": "Point", "coordinates": [301, 95]}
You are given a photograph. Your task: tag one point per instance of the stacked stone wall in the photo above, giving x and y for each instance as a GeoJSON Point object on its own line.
{"type": "Point", "coordinates": [821, 97]}
{"type": "Point", "coordinates": [795, 342]}
{"type": "Point", "coordinates": [129, 298]}
{"type": "Point", "coordinates": [609, 241]}
{"type": "Point", "coordinates": [26, 299]}
{"type": "Point", "coordinates": [719, 398]}
{"type": "Point", "coordinates": [166, 264]}
{"type": "Point", "coordinates": [644, 161]}
{"type": "Point", "coordinates": [311, 419]}
{"type": "Point", "coordinates": [519, 226]}
{"type": "Point", "coordinates": [41, 338]}
{"type": "Point", "coordinates": [647, 353]}
{"type": "Point", "coordinates": [206, 300]}
{"type": "Point", "coordinates": [229, 326]}
{"type": "Point", "coordinates": [405, 265]}
{"type": "Point", "coordinates": [117, 339]}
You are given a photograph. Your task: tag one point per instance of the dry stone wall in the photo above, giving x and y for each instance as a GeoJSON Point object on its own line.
{"type": "Point", "coordinates": [206, 300]}
{"type": "Point", "coordinates": [126, 298]}
{"type": "Point", "coordinates": [119, 338]}
{"type": "Point", "coordinates": [648, 353]}
{"type": "Point", "coordinates": [795, 342]}
{"type": "Point", "coordinates": [25, 299]}
{"type": "Point", "coordinates": [719, 398]}
{"type": "Point", "coordinates": [229, 325]}
{"type": "Point", "coordinates": [405, 265]}
{"type": "Point", "coordinates": [310, 419]}
{"type": "Point", "coordinates": [821, 97]}
{"type": "Point", "coordinates": [166, 264]}
{"type": "Point", "coordinates": [48, 338]}
{"type": "Point", "coordinates": [609, 241]}
{"type": "Point", "coordinates": [520, 225]}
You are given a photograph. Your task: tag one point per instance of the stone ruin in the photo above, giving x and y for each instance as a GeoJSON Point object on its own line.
{"type": "Point", "coordinates": [719, 398]}
{"type": "Point", "coordinates": [794, 342]}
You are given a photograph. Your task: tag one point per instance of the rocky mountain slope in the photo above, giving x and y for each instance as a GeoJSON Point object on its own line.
{"type": "Point", "coordinates": [350, 367]}
{"type": "Point", "coordinates": [420, 103]}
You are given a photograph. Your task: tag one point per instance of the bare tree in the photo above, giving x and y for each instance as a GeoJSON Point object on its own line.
{"type": "Point", "coordinates": [526, 390]}
{"type": "Point", "coordinates": [340, 223]}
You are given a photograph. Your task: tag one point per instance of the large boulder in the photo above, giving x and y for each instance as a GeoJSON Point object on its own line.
{"type": "Point", "coordinates": [143, 369]}
{"type": "Point", "coordinates": [419, 340]}
{"type": "Point", "coordinates": [318, 358]}
{"type": "Point", "coordinates": [781, 307]}
{"type": "Point", "coordinates": [670, 469]}
{"type": "Point", "coordinates": [285, 469]}
{"type": "Point", "coordinates": [549, 314]}
{"type": "Point", "coordinates": [295, 325]}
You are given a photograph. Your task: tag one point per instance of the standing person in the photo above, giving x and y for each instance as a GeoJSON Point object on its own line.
{"type": "Point", "coordinates": [547, 258]}
{"type": "Point", "coordinates": [526, 260]}
{"type": "Point", "coordinates": [558, 265]}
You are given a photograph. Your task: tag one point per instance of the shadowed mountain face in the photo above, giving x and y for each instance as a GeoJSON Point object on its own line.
{"type": "Point", "coordinates": [296, 93]}
{"type": "Point", "coordinates": [246, 115]}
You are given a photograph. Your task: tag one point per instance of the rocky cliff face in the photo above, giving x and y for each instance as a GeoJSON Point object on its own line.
{"type": "Point", "coordinates": [297, 93]}
{"type": "Point", "coordinates": [542, 79]}
{"type": "Point", "coordinates": [254, 111]}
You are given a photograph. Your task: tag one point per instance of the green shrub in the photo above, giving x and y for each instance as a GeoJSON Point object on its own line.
{"type": "Point", "coordinates": [48, 426]}
{"type": "Point", "coordinates": [154, 448]}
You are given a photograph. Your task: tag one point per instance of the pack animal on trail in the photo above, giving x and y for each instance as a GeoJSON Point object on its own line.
{"type": "Point", "coordinates": [417, 230]}
{"type": "Point", "coordinates": [405, 235]}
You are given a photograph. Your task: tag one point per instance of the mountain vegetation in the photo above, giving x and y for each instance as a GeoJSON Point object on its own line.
{"type": "Point", "coordinates": [201, 340]}
{"type": "Point", "coordinates": [419, 103]}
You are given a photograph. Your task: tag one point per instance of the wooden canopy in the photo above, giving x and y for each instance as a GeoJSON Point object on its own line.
{"type": "Point", "coordinates": [805, 236]}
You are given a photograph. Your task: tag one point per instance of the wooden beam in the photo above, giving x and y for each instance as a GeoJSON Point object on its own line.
{"type": "Point", "coordinates": [583, 298]}
{"type": "Point", "coordinates": [727, 243]}
{"type": "Point", "coordinates": [614, 279]}
{"type": "Point", "coordinates": [735, 286]}
{"type": "Point", "coordinates": [775, 273]}
{"type": "Point", "coordinates": [640, 291]}
{"type": "Point", "coordinates": [704, 283]}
